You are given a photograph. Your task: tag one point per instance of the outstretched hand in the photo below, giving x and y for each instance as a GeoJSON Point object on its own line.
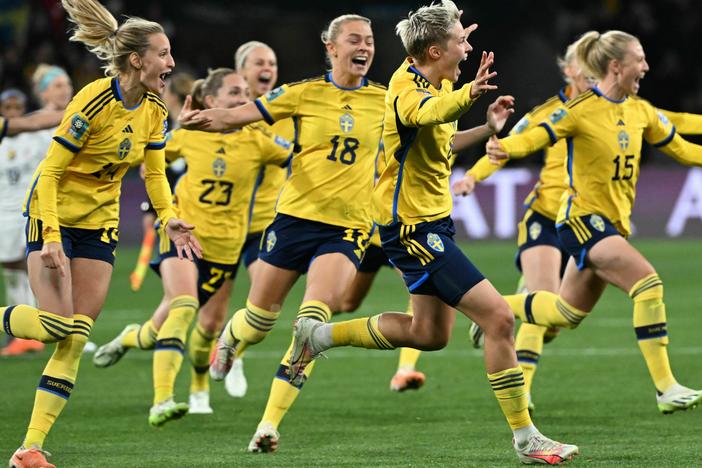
{"type": "Point", "coordinates": [181, 234]}
{"type": "Point", "coordinates": [480, 84]}
{"type": "Point", "coordinates": [494, 150]}
{"type": "Point", "coordinates": [465, 186]}
{"type": "Point", "coordinates": [192, 119]}
{"type": "Point", "coordinates": [498, 112]}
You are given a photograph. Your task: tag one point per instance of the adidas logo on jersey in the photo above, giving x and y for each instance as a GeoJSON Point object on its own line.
{"type": "Point", "coordinates": [221, 151]}
{"type": "Point", "coordinates": [128, 129]}
{"type": "Point", "coordinates": [347, 107]}
{"type": "Point", "coordinates": [621, 123]}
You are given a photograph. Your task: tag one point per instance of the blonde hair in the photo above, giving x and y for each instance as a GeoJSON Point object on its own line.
{"type": "Point", "coordinates": [594, 51]}
{"type": "Point", "coordinates": [242, 53]}
{"type": "Point", "coordinates": [44, 75]}
{"type": "Point", "coordinates": [180, 85]}
{"type": "Point", "coordinates": [209, 86]}
{"type": "Point", "coordinates": [109, 41]}
{"type": "Point", "coordinates": [330, 34]}
{"type": "Point", "coordinates": [427, 26]}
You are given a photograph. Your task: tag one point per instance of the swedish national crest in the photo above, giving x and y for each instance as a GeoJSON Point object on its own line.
{"type": "Point", "coordinates": [271, 239]}
{"type": "Point", "coordinates": [597, 222]}
{"type": "Point", "coordinates": [435, 242]}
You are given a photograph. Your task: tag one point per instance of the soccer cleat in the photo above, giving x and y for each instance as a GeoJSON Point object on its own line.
{"type": "Point", "coordinates": [264, 440]}
{"type": "Point", "coordinates": [199, 403]}
{"type": "Point", "coordinates": [407, 380]}
{"type": "Point", "coordinates": [302, 349]}
{"type": "Point", "coordinates": [110, 353]}
{"type": "Point", "coordinates": [19, 346]}
{"type": "Point", "coordinates": [30, 458]}
{"type": "Point", "coordinates": [235, 382]}
{"type": "Point", "coordinates": [476, 335]}
{"type": "Point", "coordinates": [539, 449]}
{"type": "Point", "coordinates": [222, 359]}
{"type": "Point", "coordinates": [167, 410]}
{"type": "Point", "coordinates": [678, 398]}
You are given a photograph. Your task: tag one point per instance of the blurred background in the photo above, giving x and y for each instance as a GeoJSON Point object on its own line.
{"type": "Point", "coordinates": [526, 35]}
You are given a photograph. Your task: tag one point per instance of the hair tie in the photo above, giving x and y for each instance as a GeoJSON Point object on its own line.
{"type": "Point", "coordinates": [49, 76]}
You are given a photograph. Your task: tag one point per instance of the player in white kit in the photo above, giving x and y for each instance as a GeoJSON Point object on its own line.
{"type": "Point", "coordinates": [19, 157]}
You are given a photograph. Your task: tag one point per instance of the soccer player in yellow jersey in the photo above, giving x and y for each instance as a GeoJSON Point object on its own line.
{"type": "Point", "coordinates": [604, 129]}
{"type": "Point", "coordinates": [323, 216]}
{"type": "Point", "coordinates": [73, 204]}
{"type": "Point", "coordinates": [216, 193]}
{"type": "Point", "coordinates": [412, 204]}
{"type": "Point", "coordinates": [258, 64]}
{"type": "Point", "coordinates": [541, 258]}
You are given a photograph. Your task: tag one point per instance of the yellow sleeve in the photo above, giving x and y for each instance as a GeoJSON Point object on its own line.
{"type": "Point", "coordinates": [3, 127]}
{"type": "Point", "coordinates": [685, 123]}
{"type": "Point", "coordinates": [54, 165]}
{"type": "Point", "coordinates": [174, 145]}
{"type": "Point", "coordinates": [483, 168]}
{"type": "Point", "coordinates": [660, 131]}
{"type": "Point", "coordinates": [683, 151]}
{"type": "Point", "coordinates": [561, 123]}
{"type": "Point", "coordinates": [280, 102]}
{"type": "Point", "coordinates": [416, 107]}
{"type": "Point", "coordinates": [276, 149]}
{"type": "Point", "coordinates": [380, 161]}
{"type": "Point", "coordinates": [157, 184]}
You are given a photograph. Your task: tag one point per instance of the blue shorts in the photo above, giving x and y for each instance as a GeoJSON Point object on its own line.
{"type": "Point", "coordinates": [430, 261]}
{"type": "Point", "coordinates": [292, 243]}
{"type": "Point", "coordinates": [95, 244]}
{"type": "Point", "coordinates": [536, 229]}
{"type": "Point", "coordinates": [374, 259]}
{"type": "Point", "coordinates": [210, 275]}
{"type": "Point", "coordinates": [249, 252]}
{"type": "Point", "coordinates": [579, 234]}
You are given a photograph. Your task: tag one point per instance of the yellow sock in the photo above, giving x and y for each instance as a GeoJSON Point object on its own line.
{"type": "Point", "coordinates": [545, 308]}
{"type": "Point", "coordinates": [283, 394]}
{"type": "Point", "coordinates": [361, 333]}
{"type": "Point", "coordinates": [57, 381]}
{"type": "Point", "coordinates": [529, 345]}
{"type": "Point", "coordinates": [23, 321]}
{"type": "Point", "coordinates": [240, 348]}
{"type": "Point", "coordinates": [408, 356]}
{"type": "Point", "coordinates": [317, 310]}
{"type": "Point", "coordinates": [652, 330]}
{"type": "Point", "coordinates": [200, 346]}
{"type": "Point", "coordinates": [508, 386]}
{"type": "Point", "coordinates": [143, 338]}
{"type": "Point", "coordinates": [168, 355]}
{"type": "Point", "coordinates": [250, 325]}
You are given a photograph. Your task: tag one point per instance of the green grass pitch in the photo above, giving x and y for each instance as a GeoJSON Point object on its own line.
{"type": "Point", "coordinates": [592, 389]}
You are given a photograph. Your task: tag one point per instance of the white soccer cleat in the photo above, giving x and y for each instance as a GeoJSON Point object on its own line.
{"type": "Point", "coordinates": [222, 360]}
{"type": "Point", "coordinates": [539, 449]}
{"type": "Point", "coordinates": [199, 403]}
{"type": "Point", "coordinates": [678, 398]}
{"type": "Point", "coordinates": [235, 381]}
{"type": "Point", "coordinates": [110, 353]}
{"type": "Point", "coordinates": [476, 335]}
{"type": "Point", "coordinates": [265, 439]}
{"type": "Point", "coordinates": [303, 349]}
{"type": "Point", "coordinates": [167, 410]}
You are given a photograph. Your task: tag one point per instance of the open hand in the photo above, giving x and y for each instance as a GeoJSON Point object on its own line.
{"type": "Point", "coordinates": [181, 234]}
{"type": "Point", "coordinates": [498, 112]}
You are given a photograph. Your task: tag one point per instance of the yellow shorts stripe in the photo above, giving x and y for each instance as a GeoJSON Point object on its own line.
{"type": "Point", "coordinates": [586, 230]}
{"type": "Point", "coordinates": [411, 246]}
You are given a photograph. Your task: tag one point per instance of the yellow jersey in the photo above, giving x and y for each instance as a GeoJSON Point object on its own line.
{"type": "Point", "coordinates": [215, 192]}
{"type": "Point", "coordinates": [96, 142]}
{"type": "Point", "coordinates": [338, 132]}
{"type": "Point", "coordinates": [545, 197]}
{"type": "Point", "coordinates": [420, 124]}
{"type": "Point", "coordinates": [271, 180]}
{"type": "Point", "coordinates": [603, 151]}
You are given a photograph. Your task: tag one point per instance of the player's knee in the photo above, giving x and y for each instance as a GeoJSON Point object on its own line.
{"type": "Point", "coordinates": [432, 339]}
{"type": "Point", "coordinates": [500, 324]}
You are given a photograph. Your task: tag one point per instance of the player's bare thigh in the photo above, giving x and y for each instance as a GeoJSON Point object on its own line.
{"type": "Point", "coordinates": [541, 267]}
{"type": "Point", "coordinates": [91, 281]}
{"type": "Point", "coordinates": [213, 313]}
{"type": "Point", "coordinates": [271, 285]}
{"type": "Point", "coordinates": [618, 262]}
{"type": "Point", "coordinates": [52, 291]}
{"type": "Point", "coordinates": [179, 277]}
{"type": "Point", "coordinates": [328, 279]}
{"type": "Point", "coordinates": [581, 288]}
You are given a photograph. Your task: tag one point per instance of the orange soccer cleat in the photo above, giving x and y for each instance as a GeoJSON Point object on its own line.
{"type": "Point", "coordinates": [30, 458]}
{"type": "Point", "coordinates": [407, 380]}
{"type": "Point", "coordinates": [19, 346]}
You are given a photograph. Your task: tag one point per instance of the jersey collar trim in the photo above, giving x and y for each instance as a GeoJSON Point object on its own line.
{"type": "Point", "coordinates": [562, 94]}
{"type": "Point", "coordinates": [328, 78]}
{"type": "Point", "coordinates": [597, 91]}
{"type": "Point", "coordinates": [117, 92]}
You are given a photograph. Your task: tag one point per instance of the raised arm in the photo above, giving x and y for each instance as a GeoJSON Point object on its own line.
{"type": "Point", "coordinates": [218, 120]}
{"type": "Point", "coordinates": [32, 122]}
{"type": "Point", "coordinates": [682, 151]}
{"type": "Point", "coordinates": [497, 114]}
{"type": "Point", "coordinates": [685, 123]}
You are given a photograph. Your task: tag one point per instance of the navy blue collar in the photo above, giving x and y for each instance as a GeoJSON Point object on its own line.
{"type": "Point", "coordinates": [117, 92]}
{"type": "Point", "coordinates": [597, 91]}
{"type": "Point", "coordinates": [329, 79]}
{"type": "Point", "coordinates": [562, 94]}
